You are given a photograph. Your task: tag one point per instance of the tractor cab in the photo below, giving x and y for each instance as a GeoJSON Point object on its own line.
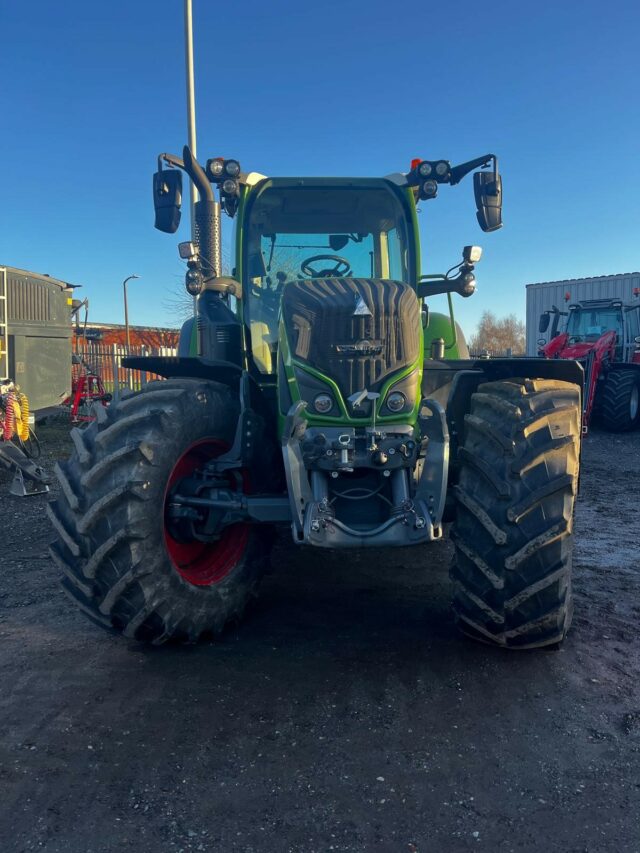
{"type": "Point", "coordinates": [308, 229]}
{"type": "Point", "coordinates": [293, 232]}
{"type": "Point", "coordinates": [588, 322]}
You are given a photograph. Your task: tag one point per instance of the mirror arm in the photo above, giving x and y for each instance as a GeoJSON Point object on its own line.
{"type": "Point", "coordinates": [459, 172]}
{"type": "Point", "coordinates": [171, 159]}
{"type": "Point", "coordinates": [193, 169]}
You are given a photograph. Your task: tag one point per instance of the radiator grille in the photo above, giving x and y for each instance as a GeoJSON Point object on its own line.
{"type": "Point", "coordinates": [357, 331]}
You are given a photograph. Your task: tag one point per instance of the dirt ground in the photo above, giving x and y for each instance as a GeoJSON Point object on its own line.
{"type": "Point", "coordinates": [344, 714]}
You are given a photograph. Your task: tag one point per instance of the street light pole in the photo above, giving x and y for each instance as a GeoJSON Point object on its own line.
{"type": "Point", "coordinates": [191, 104]}
{"type": "Point", "coordinates": [191, 117]}
{"type": "Point", "coordinates": [126, 307]}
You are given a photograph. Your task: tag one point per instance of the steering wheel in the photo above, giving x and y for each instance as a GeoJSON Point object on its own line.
{"type": "Point", "coordinates": [340, 268]}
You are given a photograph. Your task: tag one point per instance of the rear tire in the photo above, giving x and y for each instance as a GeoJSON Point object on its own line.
{"type": "Point", "coordinates": [619, 407]}
{"type": "Point", "coordinates": [513, 532]}
{"type": "Point", "coordinates": [120, 565]}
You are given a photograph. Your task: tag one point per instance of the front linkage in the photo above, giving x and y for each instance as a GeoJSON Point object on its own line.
{"type": "Point", "coordinates": [415, 466]}
{"type": "Point", "coordinates": [201, 505]}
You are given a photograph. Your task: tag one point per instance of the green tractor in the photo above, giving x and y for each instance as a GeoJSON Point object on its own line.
{"type": "Point", "coordinates": [314, 390]}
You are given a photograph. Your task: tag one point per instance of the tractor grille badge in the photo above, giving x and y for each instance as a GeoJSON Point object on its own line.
{"type": "Point", "coordinates": [361, 309]}
{"type": "Point", "coordinates": [359, 348]}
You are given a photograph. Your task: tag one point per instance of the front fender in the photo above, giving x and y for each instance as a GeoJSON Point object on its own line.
{"type": "Point", "coordinates": [170, 366]}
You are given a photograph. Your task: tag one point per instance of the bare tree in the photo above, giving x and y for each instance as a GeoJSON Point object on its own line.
{"type": "Point", "coordinates": [499, 334]}
{"type": "Point", "coordinates": [178, 302]}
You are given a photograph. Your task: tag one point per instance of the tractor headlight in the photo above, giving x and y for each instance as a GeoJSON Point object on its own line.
{"type": "Point", "coordinates": [430, 189]}
{"type": "Point", "coordinates": [396, 401]}
{"type": "Point", "coordinates": [230, 187]}
{"type": "Point", "coordinates": [323, 403]}
{"type": "Point", "coordinates": [425, 169]}
{"type": "Point", "coordinates": [232, 168]}
{"type": "Point", "coordinates": [215, 168]}
{"type": "Point", "coordinates": [442, 167]}
{"type": "Point", "coordinates": [193, 282]}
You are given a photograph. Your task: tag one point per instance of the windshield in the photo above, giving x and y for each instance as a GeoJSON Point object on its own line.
{"type": "Point", "coordinates": [590, 324]}
{"type": "Point", "coordinates": [304, 232]}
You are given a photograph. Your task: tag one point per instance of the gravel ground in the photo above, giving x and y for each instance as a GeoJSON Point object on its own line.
{"type": "Point", "coordinates": [344, 714]}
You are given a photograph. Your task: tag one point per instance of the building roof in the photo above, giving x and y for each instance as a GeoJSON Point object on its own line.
{"type": "Point", "coordinates": [41, 275]}
{"type": "Point", "coordinates": [582, 278]}
{"type": "Point", "coordinates": [117, 326]}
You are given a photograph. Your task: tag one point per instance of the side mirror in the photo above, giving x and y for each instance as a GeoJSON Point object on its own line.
{"type": "Point", "coordinates": [543, 325]}
{"type": "Point", "coordinates": [487, 188]}
{"type": "Point", "coordinates": [167, 198]}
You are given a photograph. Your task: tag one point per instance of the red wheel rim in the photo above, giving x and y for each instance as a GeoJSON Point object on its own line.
{"type": "Point", "coordinates": [204, 563]}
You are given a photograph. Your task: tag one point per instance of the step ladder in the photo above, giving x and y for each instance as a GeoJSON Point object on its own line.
{"type": "Point", "coordinates": [4, 327]}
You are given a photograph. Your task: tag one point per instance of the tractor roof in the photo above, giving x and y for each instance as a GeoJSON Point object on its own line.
{"type": "Point", "coordinates": [591, 304]}
{"type": "Point", "coordinates": [313, 205]}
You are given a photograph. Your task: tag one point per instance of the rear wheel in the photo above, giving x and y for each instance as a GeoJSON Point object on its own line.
{"type": "Point", "coordinates": [122, 563]}
{"type": "Point", "coordinates": [513, 532]}
{"type": "Point", "coordinates": [619, 407]}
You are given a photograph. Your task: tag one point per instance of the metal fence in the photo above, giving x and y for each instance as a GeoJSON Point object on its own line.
{"type": "Point", "coordinates": [498, 353]}
{"type": "Point", "coordinates": [106, 362]}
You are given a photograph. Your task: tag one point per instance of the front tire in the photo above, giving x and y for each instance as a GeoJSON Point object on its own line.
{"type": "Point", "coordinates": [121, 565]}
{"type": "Point", "coordinates": [513, 532]}
{"type": "Point", "coordinates": [619, 407]}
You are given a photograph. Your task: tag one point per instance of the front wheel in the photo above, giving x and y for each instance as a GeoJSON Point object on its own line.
{"type": "Point", "coordinates": [619, 407]}
{"type": "Point", "coordinates": [513, 532]}
{"type": "Point", "coordinates": [123, 564]}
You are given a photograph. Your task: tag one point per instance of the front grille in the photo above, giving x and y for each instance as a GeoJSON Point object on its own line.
{"type": "Point", "coordinates": [357, 331]}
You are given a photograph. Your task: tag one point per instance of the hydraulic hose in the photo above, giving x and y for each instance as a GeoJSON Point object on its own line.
{"type": "Point", "coordinates": [9, 417]}
{"type": "Point", "coordinates": [22, 427]}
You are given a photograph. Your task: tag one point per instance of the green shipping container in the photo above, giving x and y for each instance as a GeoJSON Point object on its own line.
{"type": "Point", "coordinates": [35, 335]}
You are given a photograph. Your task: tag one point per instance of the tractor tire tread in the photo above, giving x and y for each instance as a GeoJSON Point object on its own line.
{"type": "Point", "coordinates": [110, 540]}
{"type": "Point", "coordinates": [513, 544]}
{"type": "Point", "coordinates": [615, 398]}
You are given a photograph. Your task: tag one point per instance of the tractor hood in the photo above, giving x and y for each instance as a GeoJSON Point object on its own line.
{"type": "Point", "coordinates": [577, 351]}
{"type": "Point", "coordinates": [561, 346]}
{"type": "Point", "coordinates": [350, 335]}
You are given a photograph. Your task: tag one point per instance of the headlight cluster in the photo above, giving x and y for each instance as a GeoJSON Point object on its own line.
{"type": "Point", "coordinates": [193, 282]}
{"type": "Point", "coordinates": [427, 174]}
{"type": "Point", "coordinates": [324, 401]}
{"type": "Point", "coordinates": [226, 174]}
{"type": "Point", "coordinates": [217, 169]}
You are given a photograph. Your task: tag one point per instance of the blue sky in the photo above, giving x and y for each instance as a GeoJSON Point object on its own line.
{"type": "Point", "coordinates": [91, 92]}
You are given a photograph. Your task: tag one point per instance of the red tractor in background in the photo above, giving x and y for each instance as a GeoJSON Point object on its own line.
{"type": "Point", "coordinates": [604, 336]}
